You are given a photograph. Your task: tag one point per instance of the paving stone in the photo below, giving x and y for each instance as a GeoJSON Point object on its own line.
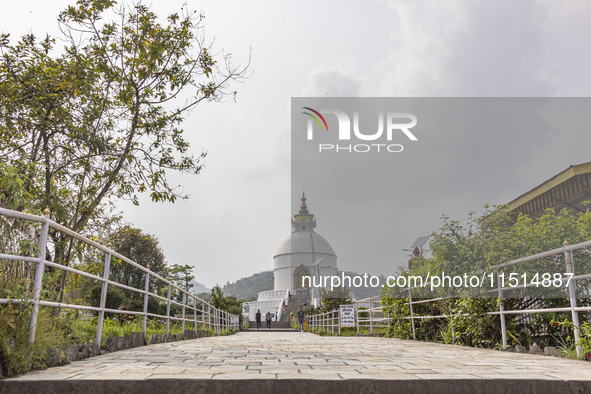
{"type": "Point", "coordinates": [244, 376]}
{"type": "Point", "coordinates": [292, 375]}
{"type": "Point", "coordinates": [381, 376]}
{"type": "Point", "coordinates": [38, 376]}
{"type": "Point", "coordinates": [516, 376]}
{"type": "Point", "coordinates": [452, 376]}
{"type": "Point", "coordinates": [281, 355]}
{"type": "Point", "coordinates": [224, 368]}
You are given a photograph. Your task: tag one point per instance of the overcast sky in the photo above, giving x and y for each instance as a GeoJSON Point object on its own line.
{"type": "Point", "coordinates": [240, 207]}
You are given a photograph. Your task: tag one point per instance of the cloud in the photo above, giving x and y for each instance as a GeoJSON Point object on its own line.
{"type": "Point", "coordinates": [342, 80]}
{"type": "Point", "coordinates": [467, 48]}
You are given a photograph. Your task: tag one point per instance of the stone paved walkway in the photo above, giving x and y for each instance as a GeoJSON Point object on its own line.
{"type": "Point", "coordinates": [294, 355]}
{"type": "Point", "coordinates": [276, 356]}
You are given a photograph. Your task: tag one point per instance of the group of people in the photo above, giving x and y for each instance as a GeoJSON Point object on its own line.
{"type": "Point", "coordinates": [268, 317]}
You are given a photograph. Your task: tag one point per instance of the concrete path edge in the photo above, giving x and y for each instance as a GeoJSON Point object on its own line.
{"type": "Point", "coordinates": [288, 386]}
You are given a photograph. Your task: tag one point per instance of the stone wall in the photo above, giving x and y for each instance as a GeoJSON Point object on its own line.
{"type": "Point", "coordinates": [128, 341]}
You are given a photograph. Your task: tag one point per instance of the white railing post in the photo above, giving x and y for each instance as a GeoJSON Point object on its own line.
{"type": "Point", "coordinates": [357, 323]}
{"type": "Point", "coordinates": [168, 310]}
{"type": "Point", "coordinates": [101, 314]}
{"type": "Point", "coordinates": [217, 321]}
{"type": "Point", "coordinates": [146, 291]}
{"type": "Point", "coordinates": [209, 316]}
{"type": "Point", "coordinates": [184, 301]}
{"type": "Point", "coordinates": [502, 312]}
{"type": "Point", "coordinates": [203, 315]}
{"type": "Point", "coordinates": [370, 316]}
{"type": "Point", "coordinates": [572, 295]}
{"type": "Point", "coordinates": [195, 314]}
{"type": "Point", "coordinates": [412, 318]}
{"type": "Point", "coordinates": [332, 322]}
{"type": "Point", "coordinates": [39, 276]}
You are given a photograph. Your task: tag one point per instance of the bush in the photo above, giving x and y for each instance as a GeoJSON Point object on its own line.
{"type": "Point", "coordinates": [115, 297]}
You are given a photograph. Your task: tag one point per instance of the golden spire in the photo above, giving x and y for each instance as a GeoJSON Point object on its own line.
{"type": "Point", "coordinates": [303, 207]}
{"type": "Point", "coordinates": [303, 215]}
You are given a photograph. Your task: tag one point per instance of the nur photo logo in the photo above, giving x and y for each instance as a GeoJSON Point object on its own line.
{"type": "Point", "coordinates": [390, 126]}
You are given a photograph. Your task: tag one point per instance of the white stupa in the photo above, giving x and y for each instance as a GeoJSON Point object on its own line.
{"type": "Point", "coordinates": [304, 253]}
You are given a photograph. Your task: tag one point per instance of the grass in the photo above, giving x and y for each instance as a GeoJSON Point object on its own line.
{"type": "Point", "coordinates": [567, 348]}
{"type": "Point", "coordinates": [55, 332]}
{"type": "Point", "coordinates": [349, 331]}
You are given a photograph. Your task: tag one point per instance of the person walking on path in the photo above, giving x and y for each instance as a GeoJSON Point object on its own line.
{"type": "Point", "coordinates": [301, 315]}
{"type": "Point", "coordinates": [269, 320]}
{"type": "Point", "coordinates": [258, 318]}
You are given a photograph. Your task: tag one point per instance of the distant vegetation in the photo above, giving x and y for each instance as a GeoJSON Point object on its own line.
{"type": "Point", "coordinates": [364, 292]}
{"type": "Point", "coordinates": [496, 237]}
{"type": "Point", "coordinates": [248, 288]}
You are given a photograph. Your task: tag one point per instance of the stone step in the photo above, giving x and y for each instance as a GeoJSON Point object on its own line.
{"type": "Point", "coordinates": [287, 362]}
{"type": "Point", "coordinates": [295, 383]}
{"type": "Point", "coordinates": [274, 324]}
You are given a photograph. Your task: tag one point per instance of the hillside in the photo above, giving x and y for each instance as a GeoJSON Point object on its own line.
{"type": "Point", "coordinates": [248, 288]}
{"type": "Point", "coordinates": [199, 287]}
{"type": "Point", "coordinates": [364, 292]}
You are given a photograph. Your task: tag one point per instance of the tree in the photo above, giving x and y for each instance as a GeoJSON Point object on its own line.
{"type": "Point", "coordinates": [182, 276]}
{"type": "Point", "coordinates": [101, 118]}
{"type": "Point", "coordinates": [494, 238]}
{"type": "Point", "coordinates": [230, 304]}
{"type": "Point", "coordinates": [333, 299]}
{"type": "Point", "coordinates": [498, 237]}
{"type": "Point", "coordinates": [217, 298]}
{"type": "Point", "coordinates": [142, 248]}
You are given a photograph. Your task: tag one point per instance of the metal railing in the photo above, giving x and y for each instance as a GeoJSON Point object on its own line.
{"type": "Point", "coordinates": [370, 313]}
{"type": "Point", "coordinates": [326, 322]}
{"type": "Point", "coordinates": [369, 318]}
{"type": "Point", "coordinates": [216, 320]}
